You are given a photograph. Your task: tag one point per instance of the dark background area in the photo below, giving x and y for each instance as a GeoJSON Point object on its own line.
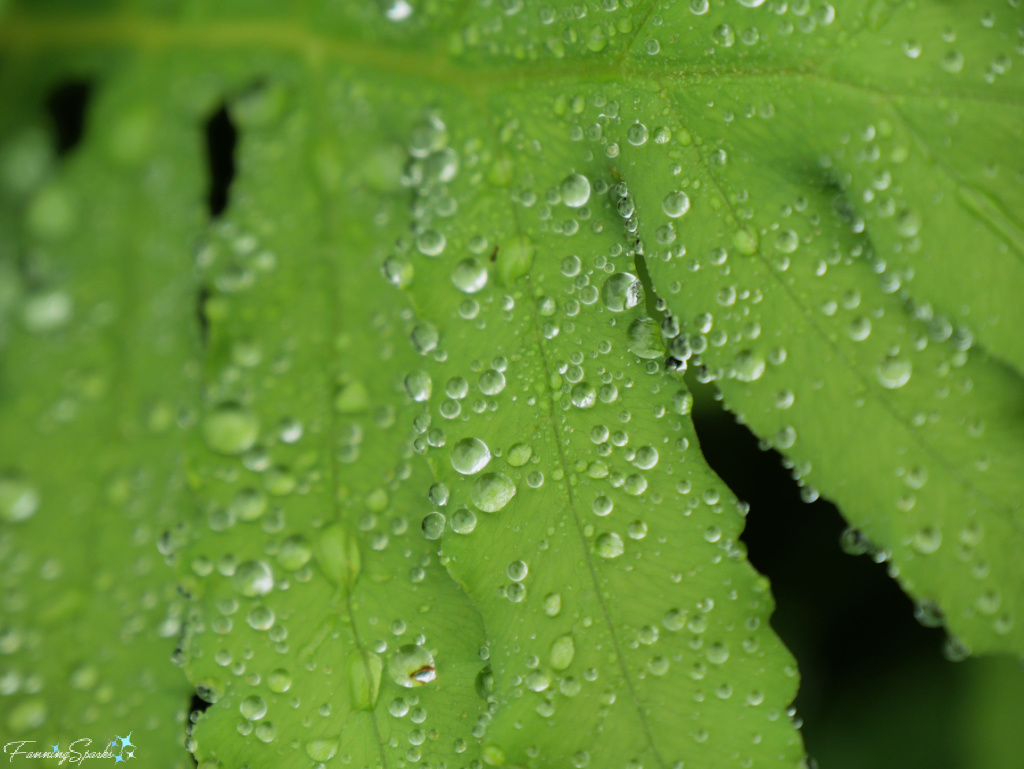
{"type": "Point", "coordinates": [876, 689]}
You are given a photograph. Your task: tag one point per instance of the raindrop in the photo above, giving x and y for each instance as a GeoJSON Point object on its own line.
{"type": "Point", "coordinates": [411, 665]}
{"type": "Point", "coordinates": [470, 456]}
{"type": "Point", "coordinates": [492, 491]}
{"type": "Point", "coordinates": [254, 578]}
{"type": "Point", "coordinates": [230, 429]}
{"type": "Point", "coordinates": [575, 190]}
{"type": "Point", "coordinates": [469, 276]}
{"type": "Point", "coordinates": [675, 204]}
{"type": "Point", "coordinates": [894, 372]}
{"type": "Point", "coordinates": [463, 521]}
{"type": "Point", "coordinates": [622, 291]}
{"type": "Point", "coordinates": [562, 652]}
{"type": "Point", "coordinates": [609, 545]}
{"type": "Point", "coordinates": [18, 499]}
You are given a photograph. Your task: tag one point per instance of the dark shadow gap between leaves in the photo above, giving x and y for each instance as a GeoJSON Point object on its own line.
{"type": "Point", "coordinates": [221, 142]}
{"type": "Point", "coordinates": [848, 624]}
{"type": "Point", "coordinates": [67, 104]}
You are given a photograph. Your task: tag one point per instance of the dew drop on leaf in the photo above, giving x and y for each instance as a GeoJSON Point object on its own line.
{"type": "Point", "coordinates": [609, 545]}
{"type": "Point", "coordinates": [463, 521]}
{"type": "Point", "coordinates": [622, 291]}
{"type": "Point", "coordinates": [18, 499]}
{"type": "Point", "coordinates": [575, 189]}
{"type": "Point", "coordinates": [321, 750]}
{"type": "Point", "coordinates": [253, 578]}
{"type": "Point", "coordinates": [563, 650]}
{"type": "Point", "coordinates": [230, 429]}
{"type": "Point", "coordinates": [894, 372]}
{"type": "Point", "coordinates": [252, 708]}
{"type": "Point", "coordinates": [469, 276]}
{"type": "Point", "coordinates": [675, 204]}
{"type": "Point", "coordinates": [470, 455]}
{"type": "Point", "coordinates": [492, 491]}
{"type": "Point", "coordinates": [411, 665]}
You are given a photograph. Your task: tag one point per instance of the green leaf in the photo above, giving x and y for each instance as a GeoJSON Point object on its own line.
{"type": "Point", "coordinates": [408, 408]}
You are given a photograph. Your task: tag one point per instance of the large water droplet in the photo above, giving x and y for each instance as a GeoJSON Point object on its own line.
{"type": "Point", "coordinates": [749, 366]}
{"type": "Point", "coordinates": [492, 491]}
{"type": "Point", "coordinates": [230, 429]}
{"type": "Point", "coordinates": [469, 276]}
{"type": "Point", "coordinates": [254, 578]}
{"type": "Point", "coordinates": [411, 665]}
{"type": "Point", "coordinates": [252, 708]}
{"type": "Point", "coordinates": [622, 291]}
{"type": "Point", "coordinates": [463, 521]}
{"type": "Point", "coordinates": [321, 750]}
{"type": "Point", "coordinates": [575, 189]}
{"type": "Point", "coordinates": [18, 499]}
{"type": "Point", "coordinates": [562, 652]}
{"type": "Point", "coordinates": [470, 456]}
{"type": "Point", "coordinates": [609, 545]}
{"type": "Point", "coordinates": [675, 204]}
{"type": "Point", "coordinates": [894, 372]}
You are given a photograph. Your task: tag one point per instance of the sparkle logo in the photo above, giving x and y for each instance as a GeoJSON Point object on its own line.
{"type": "Point", "coordinates": [119, 748]}
{"type": "Point", "coordinates": [123, 753]}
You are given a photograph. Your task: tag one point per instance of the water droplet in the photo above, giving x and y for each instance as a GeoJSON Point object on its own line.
{"type": "Point", "coordinates": [463, 521]}
{"type": "Point", "coordinates": [746, 241]}
{"type": "Point", "coordinates": [787, 241]}
{"type": "Point", "coordinates": [470, 455]}
{"type": "Point", "coordinates": [675, 204]}
{"type": "Point", "coordinates": [492, 382]}
{"type": "Point", "coordinates": [412, 665]}
{"type": "Point", "coordinates": [424, 338]}
{"type": "Point", "coordinates": [927, 540]}
{"type": "Point", "coordinates": [575, 189]}
{"type": "Point", "coordinates": [279, 680]}
{"type": "Point", "coordinates": [430, 243]}
{"type": "Point", "coordinates": [252, 708]}
{"type": "Point", "coordinates": [18, 499]}
{"type": "Point", "coordinates": [622, 291]}
{"type": "Point", "coordinates": [644, 339]}
{"type": "Point", "coordinates": [519, 454]}
{"type": "Point", "coordinates": [492, 491]}
{"type": "Point", "coordinates": [230, 429]}
{"type": "Point", "coordinates": [609, 545]}
{"type": "Point", "coordinates": [553, 604]}
{"type": "Point", "coordinates": [637, 134]}
{"type": "Point", "coordinates": [418, 385]}
{"type": "Point", "coordinates": [517, 571]}
{"type": "Point", "coordinates": [562, 652]}
{"type": "Point", "coordinates": [254, 578]}
{"type": "Point", "coordinates": [321, 750]}
{"type": "Point", "coordinates": [433, 526]}
{"type": "Point", "coordinates": [469, 276]}
{"type": "Point", "coordinates": [583, 395]}
{"type": "Point", "coordinates": [749, 366]}
{"type": "Point", "coordinates": [894, 372]}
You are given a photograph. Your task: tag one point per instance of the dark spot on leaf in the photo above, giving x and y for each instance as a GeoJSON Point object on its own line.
{"type": "Point", "coordinates": [202, 320]}
{"type": "Point", "coordinates": [494, 254]}
{"type": "Point", "coordinates": [66, 104]}
{"type": "Point", "coordinates": [221, 140]}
